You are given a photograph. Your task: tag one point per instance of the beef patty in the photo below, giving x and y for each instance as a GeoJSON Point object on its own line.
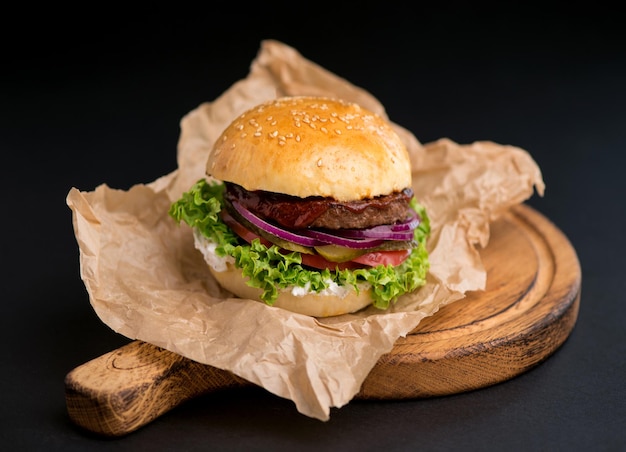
{"type": "Point", "coordinates": [323, 213]}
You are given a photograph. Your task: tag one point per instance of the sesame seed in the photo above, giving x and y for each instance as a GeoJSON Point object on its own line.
{"type": "Point", "coordinates": [323, 129]}
{"type": "Point", "coordinates": [338, 132]}
{"type": "Point", "coordinates": [274, 134]}
{"type": "Point", "coordinates": [319, 162]}
{"type": "Point", "coordinates": [257, 134]}
{"type": "Point", "coordinates": [298, 138]}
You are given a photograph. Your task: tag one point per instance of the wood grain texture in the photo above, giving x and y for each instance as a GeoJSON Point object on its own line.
{"type": "Point", "coordinates": [527, 311]}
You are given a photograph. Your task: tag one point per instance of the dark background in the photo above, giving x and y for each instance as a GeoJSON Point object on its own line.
{"type": "Point", "coordinates": [91, 98]}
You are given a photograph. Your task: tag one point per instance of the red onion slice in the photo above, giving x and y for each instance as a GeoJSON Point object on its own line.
{"type": "Point", "coordinates": [347, 242]}
{"type": "Point", "coordinates": [274, 230]}
{"type": "Point", "coordinates": [396, 231]}
{"type": "Point", "coordinates": [384, 232]}
{"type": "Point", "coordinates": [349, 238]}
{"type": "Point", "coordinates": [409, 224]}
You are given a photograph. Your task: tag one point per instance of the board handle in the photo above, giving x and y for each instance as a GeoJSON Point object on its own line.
{"type": "Point", "coordinates": [123, 390]}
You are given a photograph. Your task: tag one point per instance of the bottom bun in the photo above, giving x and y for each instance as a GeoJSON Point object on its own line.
{"type": "Point", "coordinates": [313, 304]}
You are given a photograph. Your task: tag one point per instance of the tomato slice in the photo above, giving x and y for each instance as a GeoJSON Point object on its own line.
{"type": "Point", "coordinates": [372, 259]}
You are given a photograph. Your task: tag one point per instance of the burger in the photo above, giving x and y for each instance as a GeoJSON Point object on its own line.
{"type": "Point", "coordinates": [308, 206]}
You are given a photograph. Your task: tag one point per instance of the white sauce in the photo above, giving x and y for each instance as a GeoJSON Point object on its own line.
{"type": "Point", "coordinates": [332, 289]}
{"type": "Point", "coordinates": [207, 248]}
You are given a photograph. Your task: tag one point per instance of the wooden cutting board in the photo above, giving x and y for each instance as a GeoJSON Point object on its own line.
{"type": "Point", "coordinates": [528, 310]}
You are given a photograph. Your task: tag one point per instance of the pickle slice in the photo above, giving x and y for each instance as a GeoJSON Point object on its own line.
{"type": "Point", "coordinates": [336, 253]}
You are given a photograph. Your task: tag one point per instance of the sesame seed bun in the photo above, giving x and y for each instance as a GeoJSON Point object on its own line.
{"type": "Point", "coordinates": [311, 146]}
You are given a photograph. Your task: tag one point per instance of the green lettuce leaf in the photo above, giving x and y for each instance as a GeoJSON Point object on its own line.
{"type": "Point", "coordinates": [272, 271]}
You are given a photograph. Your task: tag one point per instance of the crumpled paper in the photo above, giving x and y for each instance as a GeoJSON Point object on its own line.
{"type": "Point", "coordinates": [146, 280]}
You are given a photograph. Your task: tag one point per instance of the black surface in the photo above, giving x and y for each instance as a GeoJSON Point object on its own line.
{"type": "Point", "coordinates": [90, 99]}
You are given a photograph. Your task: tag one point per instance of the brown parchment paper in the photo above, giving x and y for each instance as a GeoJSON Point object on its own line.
{"type": "Point", "coordinates": [146, 280]}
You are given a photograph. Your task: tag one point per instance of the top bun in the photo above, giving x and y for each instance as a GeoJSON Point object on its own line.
{"type": "Point", "coordinates": [312, 146]}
